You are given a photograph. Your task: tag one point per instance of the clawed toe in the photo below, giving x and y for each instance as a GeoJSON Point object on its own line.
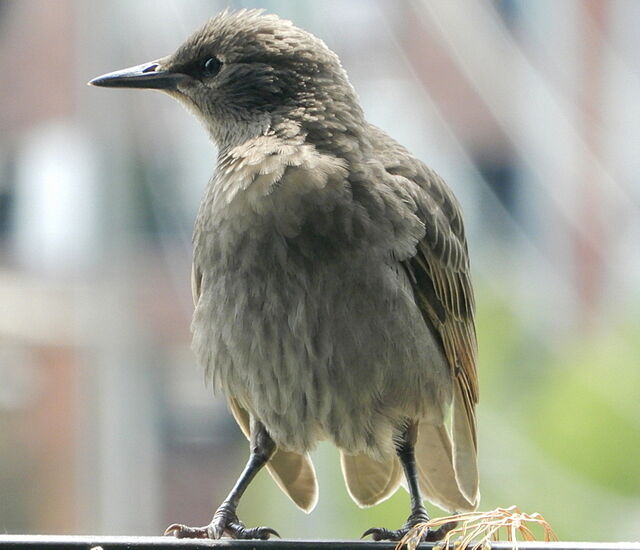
{"type": "Point", "coordinates": [225, 521]}
{"type": "Point", "coordinates": [380, 533]}
{"type": "Point", "coordinates": [180, 531]}
{"type": "Point", "coordinates": [434, 535]}
{"type": "Point", "coordinates": [430, 535]}
{"type": "Point", "coordinates": [221, 525]}
{"type": "Point", "coordinates": [261, 533]}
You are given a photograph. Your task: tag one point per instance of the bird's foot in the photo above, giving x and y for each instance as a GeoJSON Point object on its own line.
{"type": "Point", "coordinates": [417, 517]}
{"type": "Point", "coordinates": [225, 522]}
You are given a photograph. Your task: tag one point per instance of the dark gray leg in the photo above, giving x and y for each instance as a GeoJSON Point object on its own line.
{"type": "Point", "coordinates": [225, 520]}
{"type": "Point", "coordinates": [405, 448]}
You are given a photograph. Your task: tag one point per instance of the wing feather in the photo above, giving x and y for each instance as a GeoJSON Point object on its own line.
{"type": "Point", "coordinates": [439, 273]}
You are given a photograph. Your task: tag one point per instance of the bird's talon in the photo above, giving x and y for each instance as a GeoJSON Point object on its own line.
{"type": "Point", "coordinates": [225, 522]}
{"type": "Point", "coordinates": [367, 532]}
{"type": "Point", "coordinates": [380, 533]}
{"type": "Point", "coordinates": [238, 531]}
{"type": "Point", "coordinates": [430, 535]}
{"type": "Point", "coordinates": [268, 532]}
{"type": "Point", "coordinates": [180, 531]}
{"type": "Point", "coordinates": [170, 531]}
{"type": "Point", "coordinates": [434, 535]}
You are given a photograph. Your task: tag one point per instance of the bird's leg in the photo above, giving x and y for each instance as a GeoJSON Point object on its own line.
{"type": "Point", "coordinates": [405, 448]}
{"type": "Point", "coordinates": [225, 520]}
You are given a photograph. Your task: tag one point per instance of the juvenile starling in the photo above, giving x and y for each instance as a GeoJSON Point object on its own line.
{"type": "Point", "coordinates": [330, 277]}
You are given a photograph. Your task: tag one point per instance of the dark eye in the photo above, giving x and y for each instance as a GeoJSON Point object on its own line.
{"type": "Point", "coordinates": [211, 66]}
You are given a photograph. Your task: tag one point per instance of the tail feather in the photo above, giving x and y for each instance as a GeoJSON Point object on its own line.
{"type": "Point", "coordinates": [465, 449]}
{"type": "Point", "coordinates": [369, 481]}
{"type": "Point", "coordinates": [438, 480]}
{"type": "Point", "coordinates": [295, 475]}
{"type": "Point", "coordinates": [293, 472]}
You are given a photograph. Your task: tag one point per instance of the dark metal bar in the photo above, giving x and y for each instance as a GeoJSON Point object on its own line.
{"type": "Point", "coordinates": [57, 542]}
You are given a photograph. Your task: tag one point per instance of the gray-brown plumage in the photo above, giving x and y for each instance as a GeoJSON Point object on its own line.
{"type": "Point", "coordinates": [330, 276]}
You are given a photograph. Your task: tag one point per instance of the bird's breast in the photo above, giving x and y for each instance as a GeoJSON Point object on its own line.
{"type": "Point", "coordinates": [307, 320]}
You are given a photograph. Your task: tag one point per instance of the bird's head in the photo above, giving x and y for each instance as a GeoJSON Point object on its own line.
{"type": "Point", "coordinates": [245, 74]}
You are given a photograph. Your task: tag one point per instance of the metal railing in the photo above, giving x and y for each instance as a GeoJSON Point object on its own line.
{"type": "Point", "coordinates": [57, 542]}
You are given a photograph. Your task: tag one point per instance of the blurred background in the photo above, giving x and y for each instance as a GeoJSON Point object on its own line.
{"type": "Point", "coordinates": [531, 112]}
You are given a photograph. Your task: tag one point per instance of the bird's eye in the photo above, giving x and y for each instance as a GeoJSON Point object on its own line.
{"type": "Point", "coordinates": [211, 66]}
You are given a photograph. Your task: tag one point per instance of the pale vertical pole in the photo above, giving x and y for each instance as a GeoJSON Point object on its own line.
{"type": "Point", "coordinates": [118, 448]}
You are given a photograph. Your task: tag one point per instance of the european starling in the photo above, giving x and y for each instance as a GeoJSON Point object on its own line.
{"type": "Point", "coordinates": [330, 277]}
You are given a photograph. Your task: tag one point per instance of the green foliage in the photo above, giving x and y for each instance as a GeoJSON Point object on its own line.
{"type": "Point", "coordinates": [589, 412]}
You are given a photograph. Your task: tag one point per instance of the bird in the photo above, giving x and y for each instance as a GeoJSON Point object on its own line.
{"type": "Point", "coordinates": [331, 279]}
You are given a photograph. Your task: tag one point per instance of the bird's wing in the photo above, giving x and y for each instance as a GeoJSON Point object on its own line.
{"type": "Point", "coordinates": [293, 472]}
{"type": "Point", "coordinates": [440, 277]}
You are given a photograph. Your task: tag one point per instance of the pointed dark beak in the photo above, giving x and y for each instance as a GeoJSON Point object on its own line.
{"type": "Point", "coordinates": [147, 75]}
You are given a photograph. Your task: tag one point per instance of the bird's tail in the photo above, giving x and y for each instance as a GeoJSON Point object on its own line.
{"type": "Point", "coordinates": [369, 481]}
{"type": "Point", "coordinates": [448, 471]}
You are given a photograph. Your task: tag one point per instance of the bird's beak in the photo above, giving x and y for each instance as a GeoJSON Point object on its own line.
{"type": "Point", "coordinates": [147, 75]}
